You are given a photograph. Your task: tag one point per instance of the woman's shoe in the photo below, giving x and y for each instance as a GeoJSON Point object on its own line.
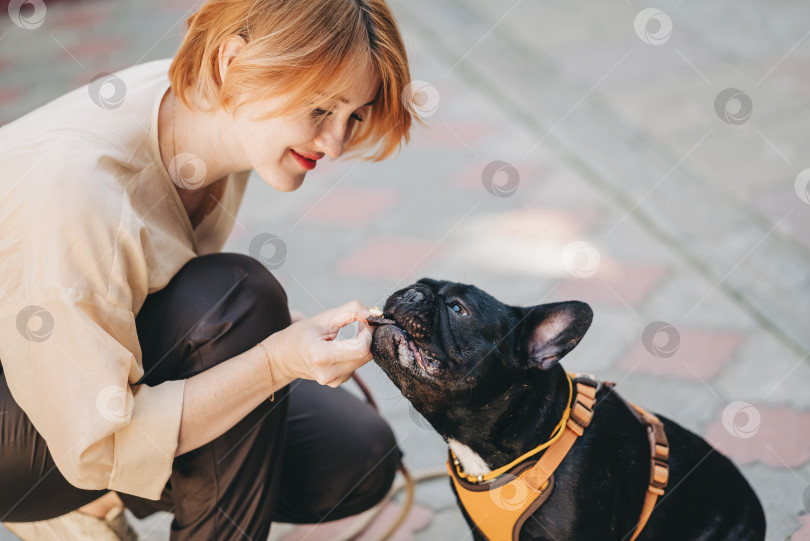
{"type": "Point", "coordinates": [77, 526]}
{"type": "Point", "coordinates": [117, 521]}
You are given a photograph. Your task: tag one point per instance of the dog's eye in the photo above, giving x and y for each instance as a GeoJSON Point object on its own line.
{"type": "Point", "coordinates": [457, 308]}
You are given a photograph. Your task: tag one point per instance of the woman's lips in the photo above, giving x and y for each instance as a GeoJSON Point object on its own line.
{"type": "Point", "coordinates": [306, 163]}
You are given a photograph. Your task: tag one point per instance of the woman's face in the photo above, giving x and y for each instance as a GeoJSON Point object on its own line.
{"type": "Point", "coordinates": [283, 149]}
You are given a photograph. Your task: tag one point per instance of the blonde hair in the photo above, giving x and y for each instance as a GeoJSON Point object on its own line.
{"type": "Point", "coordinates": [313, 50]}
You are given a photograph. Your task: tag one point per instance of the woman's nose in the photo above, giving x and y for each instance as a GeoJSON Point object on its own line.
{"type": "Point", "coordinates": [332, 139]}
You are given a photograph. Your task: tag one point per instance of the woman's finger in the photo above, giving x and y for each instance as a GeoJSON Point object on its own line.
{"type": "Point", "coordinates": [344, 315]}
{"type": "Point", "coordinates": [362, 340]}
{"type": "Point", "coordinates": [354, 351]}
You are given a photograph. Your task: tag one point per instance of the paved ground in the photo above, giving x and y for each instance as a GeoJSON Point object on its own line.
{"type": "Point", "coordinates": [677, 208]}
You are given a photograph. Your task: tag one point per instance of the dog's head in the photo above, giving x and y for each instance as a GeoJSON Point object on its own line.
{"type": "Point", "coordinates": [454, 348]}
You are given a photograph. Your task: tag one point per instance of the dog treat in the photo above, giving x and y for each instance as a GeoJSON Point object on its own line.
{"type": "Point", "coordinates": [377, 320]}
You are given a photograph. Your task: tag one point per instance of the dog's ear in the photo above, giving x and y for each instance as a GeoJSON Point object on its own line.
{"type": "Point", "coordinates": [548, 332]}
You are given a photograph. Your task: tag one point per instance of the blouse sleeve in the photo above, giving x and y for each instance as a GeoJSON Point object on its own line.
{"type": "Point", "coordinates": [69, 363]}
{"type": "Point", "coordinates": [75, 267]}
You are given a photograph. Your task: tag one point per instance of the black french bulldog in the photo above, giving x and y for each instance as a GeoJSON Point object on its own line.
{"type": "Point", "coordinates": [486, 376]}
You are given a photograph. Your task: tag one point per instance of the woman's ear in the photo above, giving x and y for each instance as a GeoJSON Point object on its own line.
{"type": "Point", "coordinates": [227, 52]}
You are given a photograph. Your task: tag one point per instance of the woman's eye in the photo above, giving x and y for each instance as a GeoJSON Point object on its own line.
{"type": "Point", "coordinates": [457, 308]}
{"type": "Point", "coordinates": [318, 112]}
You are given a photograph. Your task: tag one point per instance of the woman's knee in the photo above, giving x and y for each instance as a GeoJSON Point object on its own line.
{"type": "Point", "coordinates": [371, 467]}
{"type": "Point", "coordinates": [216, 307]}
{"type": "Point", "coordinates": [223, 273]}
{"type": "Point", "coordinates": [257, 299]}
{"type": "Point", "coordinates": [380, 465]}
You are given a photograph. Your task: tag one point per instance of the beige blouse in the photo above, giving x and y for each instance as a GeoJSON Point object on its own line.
{"type": "Point", "coordinates": [90, 224]}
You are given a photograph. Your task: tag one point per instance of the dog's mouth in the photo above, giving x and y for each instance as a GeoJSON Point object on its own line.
{"type": "Point", "coordinates": [409, 354]}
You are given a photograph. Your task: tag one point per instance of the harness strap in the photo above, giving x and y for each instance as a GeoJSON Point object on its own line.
{"type": "Point", "coordinates": [507, 519]}
{"type": "Point", "coordinates": [659, 468]}
{"type": "Point", "coordinates": [581, 415]}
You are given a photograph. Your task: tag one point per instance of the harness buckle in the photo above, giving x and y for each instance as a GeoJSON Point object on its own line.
{"type": "Point", "coordinates": [575, 427]}
{"type": "Point", "coordinates": [582, 411]}
{"type": "Point", "coordinates": [659, 445]}
{"type": "Point", "coordinates": [581, 414]}
{"type": "Point", "coordinates": [659, 474]}
{"type": "Point", "coordinates": [659, 454]}
{"type": "Point", "coordinates": [587, 379]}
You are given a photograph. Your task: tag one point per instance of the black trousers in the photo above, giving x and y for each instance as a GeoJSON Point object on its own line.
{"type": "Point", "coordinates": [315, 453]}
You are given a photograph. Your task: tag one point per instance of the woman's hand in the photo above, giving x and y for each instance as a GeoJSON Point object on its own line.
{"type": "Point", "coordinates": [308, 348]}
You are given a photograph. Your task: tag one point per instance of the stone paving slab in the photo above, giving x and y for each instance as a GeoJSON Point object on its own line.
{"type": "Point", "coordinates": [635, 177]}
{"type": "Point", "coordinates": [697, 223]}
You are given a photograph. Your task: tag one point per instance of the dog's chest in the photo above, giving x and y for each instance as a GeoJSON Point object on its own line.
{"type": "Point", "coordinates": [471, 462]}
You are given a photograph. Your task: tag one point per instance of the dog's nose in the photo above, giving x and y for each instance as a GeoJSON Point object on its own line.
{"type": "Point", "coordinates": [414, 310]}
{"type": "Point", "coordinates": [413, 295]}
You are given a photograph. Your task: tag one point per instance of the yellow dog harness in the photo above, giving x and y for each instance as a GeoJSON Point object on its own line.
{"type": "Point", "coordinates": [500, 502]}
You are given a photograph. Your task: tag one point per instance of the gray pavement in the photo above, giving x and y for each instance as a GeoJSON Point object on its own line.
{"type": "Point", "coordinates": [643, 189]}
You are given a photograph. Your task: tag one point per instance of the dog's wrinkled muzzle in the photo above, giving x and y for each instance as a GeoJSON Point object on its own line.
{"type": "Point", "coordinates": [413, 310]}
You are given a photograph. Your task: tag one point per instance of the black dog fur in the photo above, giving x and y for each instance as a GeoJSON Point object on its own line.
{"type": "Point", "coordinates": [489, 379]}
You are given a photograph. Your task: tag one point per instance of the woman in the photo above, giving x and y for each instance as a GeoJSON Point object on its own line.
{"type": "Point", "coordinates": [137, 360]}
